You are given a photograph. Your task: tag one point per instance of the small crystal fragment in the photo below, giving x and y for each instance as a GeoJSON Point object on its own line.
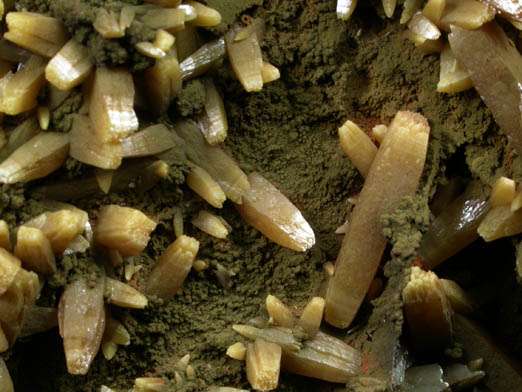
{"type": "Point", "coordinates": [124, 295]}
{"type": "Point", "coordinates": [269, 73]}
{"type": "Point", "coordinates": [204, 185]}
{"type": "Point", "coordinates": [237, 351]}
{"type": "Point", "coordinates": [150, 50]}
{"type": "Point", "coordinates": [345, 8]}
{"type": "Point", "coordinates": [210, 224]}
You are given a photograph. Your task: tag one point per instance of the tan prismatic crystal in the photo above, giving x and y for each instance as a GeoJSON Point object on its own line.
{"type": "Point", "coordinates": [60, 227]}
{"type": "Point", "coordinates": [223, 169]}
{"type": "Point", "coordinates": [127, 15]}
{"type": "Point", "coordinates": [40, 34]}
{"type": "Point", "coordinates": [502, 193]}
{"type": "Point", "coordinates": [389, 7]}
{"type": "Point", "coordinates": [149, 141]}
{"type": "Point", "coordinates": [149, 384]}
{"type": "Point", "coordinates": [395, 173]}
{"type": "Point", "coordinates": [428, 46]}
{"type": "Point", "coordinates": [263, 363]}
{"type": "Point", "coordinates": [516, 203]}
{"type": "Point", "coordinates": [16, 303]}
{"type": "Point", "coordinates": [325, 358]}
{"type": "Point", "coordinates": [9, 267]}
{"type": "Point", "coordinates": [170, 19]}
{"type": "Point", "coordinates": [427, 310]}
{"type": "Point", "coordinates": [19, 136]}
{"type": "Point", "coordinates": [165, 3]}
{"type": "Point", "coordinates": [500, 222]}
{"type": "Point", "coordinates": [379, 131]}
{"type": "Point", "coordinates": [433, 9]}
{"type": "Point", "coordinates": [4, 345]}
{"type": "Point", "coordinates": [410, 8]}
{"type": "Point", "coordinates": [207, 57]}
{"type": "Point", "coordinates": [345, 8]}
{"type": "Point", "coordinates": [453, 77]}
{"type": "Point", "coordinates": [467, 14]}
{"type": "Point", "coordinates": [6, 384]}
{"type": "Point", "coordinates": [107, 23]}
{"type": "Point", "coordinates": [111, 108]}
{"type": "Point", "coordinates": [122, 228]}
{"type": "Point", "coordinates": [206, 16]}
{"type": "Point", "coordinates": [204, 185]}
{"type": "Point", "coordinates": [44, 117]}
{"type": "Point", "coordinates": [115, 334]}
{"type": "Point", "coordinates": [358, 146]}
{"type": "Point", "coordinates": [163, 81]}
{"type": "Point", "coordinates": [150, 50]}
{"type": "Point", "coordinates": [213, 120]}
{"type": "Point", "coordinates": [488, 51]}
{"type": "Point", "coordinates": [124, 295]}
{"type": "Point", "coordinates": [210, 224]}
{"type": "Point", "coordinates": [164, 40]}
{"type": "Point", "coordinates": [19, 91]}
{"type": "Point", "coordinates": [268, 210]}
{"type": "Point", "coordinates": [177, 223]}
{"type": "Point", "coordinates": [35, 251]}
{"type": "Point", "coordinates": [458, 298]}
{"type": "Point", "coordinates": [39, 319]}
{"type": "Point", "coordinates": [172, 268]}
{"type": "Point", "coordinates": [70, 66]}
{"type": "Point", "coordinates": [237, 351]}
{"type": "Point", "coordinates": [269, 72]}
{"type": "Point", "coordinates": [104, 179]}
{"type": "Point", "coordinates": [5, 238]}
{"type": "Point", "coordinates": [279, 312]}
{"type": "Point", "coordinates": [421, 25]}
{"type": "Point", "coordinates": [87, 148]}
{"type": "Point", "coordinates": [312, 316]}
{"type": "Point", "coordinates": [278, 335]}
{"type": "Point", "coordinates": [37, 158]}
{"type": "Point", "coordinates": [81, 318]}
{"type": "Point", "coordinates": [246, 59]}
